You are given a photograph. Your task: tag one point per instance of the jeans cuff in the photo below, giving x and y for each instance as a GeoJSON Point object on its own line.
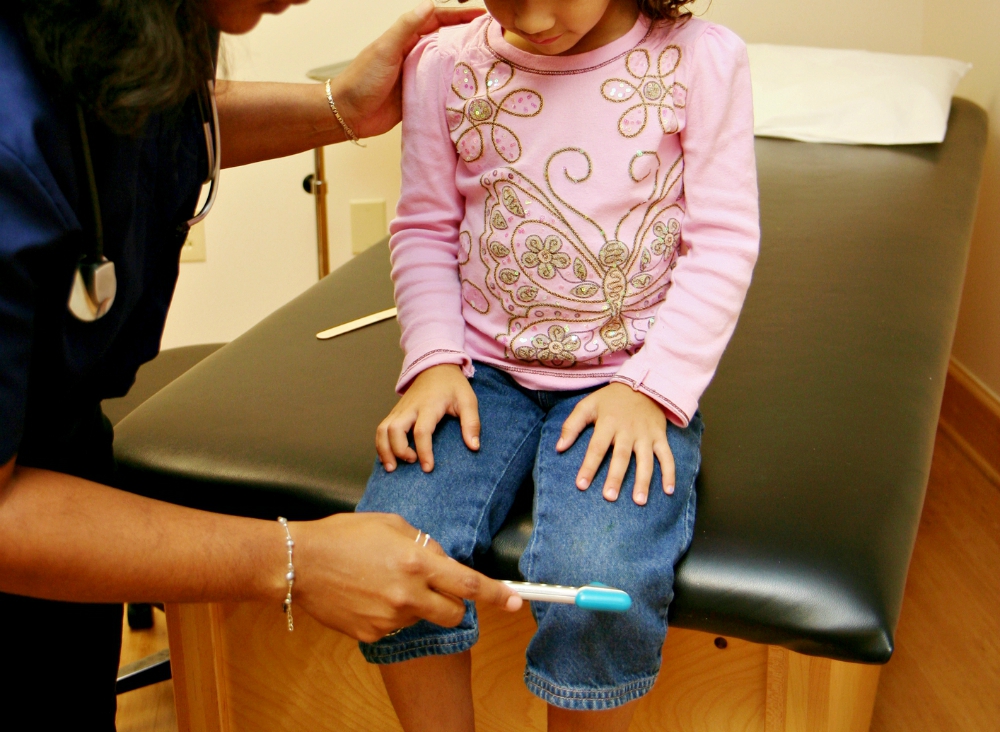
{"type": "Point", "coordinates": [587, 698]}
{"type": "Point", "coordinates": [387, 651]}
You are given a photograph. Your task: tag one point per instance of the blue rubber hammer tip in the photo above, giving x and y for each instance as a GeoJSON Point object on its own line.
{"type": "Point", "coordinates": [602, 598]}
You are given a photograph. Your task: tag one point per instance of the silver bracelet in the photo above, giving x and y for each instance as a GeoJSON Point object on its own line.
{"type": "Point", "coordinates": [336, 113]}
{"type": "Point", "coordinates": [289, 574]}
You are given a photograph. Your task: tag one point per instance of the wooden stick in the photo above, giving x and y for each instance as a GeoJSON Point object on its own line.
{"type": "Point", "coordinates": [357, 324]}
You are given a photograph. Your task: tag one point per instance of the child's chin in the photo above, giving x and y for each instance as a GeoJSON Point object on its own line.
{"type": "Point", "coordinates": [553, 49]}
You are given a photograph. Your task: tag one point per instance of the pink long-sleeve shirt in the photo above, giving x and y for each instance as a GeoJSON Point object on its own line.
{"type": "Point", "coordinates": [579, 219]}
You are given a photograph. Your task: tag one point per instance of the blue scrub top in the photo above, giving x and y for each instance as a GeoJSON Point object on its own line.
{"type": "Point", "coordinates": [54, 369]}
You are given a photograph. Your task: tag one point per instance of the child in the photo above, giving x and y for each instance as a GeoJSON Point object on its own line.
{"type": "Point", "coordinates": [576, 233]}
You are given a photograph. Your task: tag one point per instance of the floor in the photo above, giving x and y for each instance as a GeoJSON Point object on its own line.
{"type": "Point", "coordinates": [945, 673]}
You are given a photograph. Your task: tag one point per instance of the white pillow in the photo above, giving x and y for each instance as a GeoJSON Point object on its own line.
{"type": "Point", "coordinates": [852, 97]}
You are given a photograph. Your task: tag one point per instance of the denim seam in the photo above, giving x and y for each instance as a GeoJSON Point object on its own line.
{"type": "Point", "coordinates": [489, 501]}
{"type": "Point", "coordinates": [688, 519]}
{"type": "Point", "coordinates": [605, 698]}
{"type": "Point", "coordinates": [533, 539]}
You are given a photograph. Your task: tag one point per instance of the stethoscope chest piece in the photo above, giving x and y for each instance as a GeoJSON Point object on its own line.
{"type": "Point", "coordinates": [94, 288]}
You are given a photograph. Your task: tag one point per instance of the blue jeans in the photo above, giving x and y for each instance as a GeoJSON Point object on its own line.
{"type": "Point", "coordinates": [577, 659]}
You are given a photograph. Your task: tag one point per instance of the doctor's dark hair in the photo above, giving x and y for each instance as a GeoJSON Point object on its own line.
{"type": "Point", "coordinates": [668, 10]}
{"type": "Point", "coordinates": [122, 59]}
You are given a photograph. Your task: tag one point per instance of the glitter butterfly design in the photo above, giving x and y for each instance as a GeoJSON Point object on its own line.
{"type": "Point", "coordinates": [568, 302]}
{"type": "Point", "coordinates": [653, 92]}
{"type": "Point", "coordinates": [481, 110]}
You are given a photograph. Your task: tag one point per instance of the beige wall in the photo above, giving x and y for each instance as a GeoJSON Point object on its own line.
{"type": "Point", "coordinates": [894, 26]}
{"type": "Point", "coordinates": [971, 29]}
{"type": "Point", "coordinates": [261, 245]}
{"type": "Point", "coordinates": [261, 236]}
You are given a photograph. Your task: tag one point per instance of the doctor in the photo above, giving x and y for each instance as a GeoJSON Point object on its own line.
{"type": "Point", "coordinates": [103, 150]}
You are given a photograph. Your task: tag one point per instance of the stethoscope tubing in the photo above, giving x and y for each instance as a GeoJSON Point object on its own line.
{"type": "Point", "coordinates": [95, 284]}
{"type": "Point", "coordinates": [213, 145]}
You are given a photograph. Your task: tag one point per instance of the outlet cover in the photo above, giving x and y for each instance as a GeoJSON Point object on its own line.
{"type": "Point", "coordinates": [194, 248]}
{"type": "Point", "coordinates": [367, 223]}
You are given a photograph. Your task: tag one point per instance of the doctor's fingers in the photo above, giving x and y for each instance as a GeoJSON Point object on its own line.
{"type": "Point", "coordinates": [456, 580]}
{"type": "Point", "coordinates": [424, 19]}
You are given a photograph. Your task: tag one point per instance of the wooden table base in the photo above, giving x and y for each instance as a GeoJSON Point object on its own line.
{"type": "Point", "coordinates": [237, 669]}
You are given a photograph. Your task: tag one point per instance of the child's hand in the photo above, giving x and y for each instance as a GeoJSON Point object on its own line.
{"type": "Point", "coordinates": [438, 391]}
{"type": "Point", "coordinates": [633, 423]}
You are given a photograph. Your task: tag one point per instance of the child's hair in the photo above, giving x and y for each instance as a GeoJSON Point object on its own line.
{"type": "Point", "coordinates": [664, 9]}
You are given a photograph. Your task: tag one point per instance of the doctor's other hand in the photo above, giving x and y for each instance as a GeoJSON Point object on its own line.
{"type": "Point", "coordinates": [438, 391]}
{"type": "Point", "coordinates": [369, 91]}
{"type": "Point", "coordinates": [365, 575]}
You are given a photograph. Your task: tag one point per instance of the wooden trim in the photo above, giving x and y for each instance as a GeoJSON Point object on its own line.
{"type": "Point", "coordinates": [970, 416]}
{"type": "Point", "coordinates": [811, 694]}
{"type": "Point", "coordinates": [777, 689]}
{"type": "Point", "coordinates": [196, 664]}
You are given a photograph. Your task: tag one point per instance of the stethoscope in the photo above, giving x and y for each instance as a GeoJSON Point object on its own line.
{"type": "Point", "coordinates": [95, 284]}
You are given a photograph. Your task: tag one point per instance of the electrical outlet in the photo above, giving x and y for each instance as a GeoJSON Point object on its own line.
{"type": "Point", "coordinates": [194, 248]}
{"type": "Point", "coordinates": [367, 223]}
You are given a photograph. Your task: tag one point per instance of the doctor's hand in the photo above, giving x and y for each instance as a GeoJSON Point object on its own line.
{"type": "Point", "coordinates": [369, 92]}
{"type": "Point", "coordinates": [364, 575]}
{"type": "Point", "coordinates": [629, 421]}
{"type": "Point", "coordinates": [438, 391]}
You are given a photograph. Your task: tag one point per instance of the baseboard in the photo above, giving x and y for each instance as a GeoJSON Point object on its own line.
{"type": "Point", "coordinates": [970, 416]}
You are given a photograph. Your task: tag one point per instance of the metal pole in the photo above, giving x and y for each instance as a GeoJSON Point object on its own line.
{"type": "Point", "coordinates": [319, 191]}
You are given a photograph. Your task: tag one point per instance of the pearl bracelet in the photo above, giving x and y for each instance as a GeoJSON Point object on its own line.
{"type": "Point", "coordinates": [290, 574]}
{"type": "Point", "coordinates": [336, 113]}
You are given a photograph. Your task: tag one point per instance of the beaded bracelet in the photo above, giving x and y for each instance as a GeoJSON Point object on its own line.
{"type": "Point", "coordinates": [336, 113]}
{"type": "Point", "coordinates": [290, 574]}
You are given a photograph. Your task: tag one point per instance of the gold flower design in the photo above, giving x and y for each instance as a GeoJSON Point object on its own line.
{"type": "Point", "coordinates": [479, 110]}
{"type": "Point", "coordinates": [548, 263]}
{"type": "Point", "coordinates": [544, 255]}
{"type": "Point", "coordinates": [653, 92]}
{"type": "Point", "coordinates": [555, 349]}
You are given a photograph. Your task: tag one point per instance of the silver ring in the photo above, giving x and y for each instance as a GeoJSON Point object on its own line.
{"type": "Point", "coordinates": [427, 538]}
{"type": "Point", "coordinates": [417, 540]}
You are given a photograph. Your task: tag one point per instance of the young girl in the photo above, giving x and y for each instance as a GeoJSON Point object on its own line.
{"type": "Point", "coordinates": [576, 232]}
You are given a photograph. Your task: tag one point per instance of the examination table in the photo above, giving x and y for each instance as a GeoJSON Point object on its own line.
{"type": "Point", "coordinates": [820, 426]}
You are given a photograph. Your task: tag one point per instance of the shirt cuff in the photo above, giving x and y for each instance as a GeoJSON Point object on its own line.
{"type": "Point", "coordinates": [432, 353]}
{"type": "Point", "coordinates": [677, 404]}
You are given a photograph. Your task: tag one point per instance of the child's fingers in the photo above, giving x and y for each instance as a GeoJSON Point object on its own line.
{"type": "Point", "coordinates": [620, 458]}
{"type": "Point", "coordinates": [600, 441]}
{"type": "Point", "coordinates": [468, 416]}
{"type": "Point", "coordinates": [666, 458]}
{"type": "Point", "coordinates": [643, 472]}
{"type": "Point", "coordinates": [423, 433]}
{"type": "Point", "coordinates": [583, 413]}
{"type": "Point", "coordinates": [398, 444]}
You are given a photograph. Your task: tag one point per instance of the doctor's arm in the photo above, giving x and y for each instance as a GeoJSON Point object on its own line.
{"type": "Point", "coordinates": [262, 120]}
{"type": "Point", "coordinates": [65, 538]}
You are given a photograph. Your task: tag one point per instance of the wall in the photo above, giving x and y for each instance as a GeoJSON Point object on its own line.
{"type": "Point", "coordinates": [971, 30]}
{"type": "Point", "coordinates": [261, 235]}
{"type": "Point", "coordinates": [894, 26]}
{"type": "Point", "coordinates": [261, 238]}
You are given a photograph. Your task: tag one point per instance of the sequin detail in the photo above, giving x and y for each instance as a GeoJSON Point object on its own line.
{"type": "Point", "coordinates": [573, 290]}
{"type": "Point", "coordinates": [651, 91]}
{"type": "Point", "coordinates": [477, 109]}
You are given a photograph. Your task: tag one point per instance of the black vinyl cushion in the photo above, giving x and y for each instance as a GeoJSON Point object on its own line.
{"type": "Point", "coordinates": [820, 421]}
{"type": "Point", "coordinates": [155, 375]}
